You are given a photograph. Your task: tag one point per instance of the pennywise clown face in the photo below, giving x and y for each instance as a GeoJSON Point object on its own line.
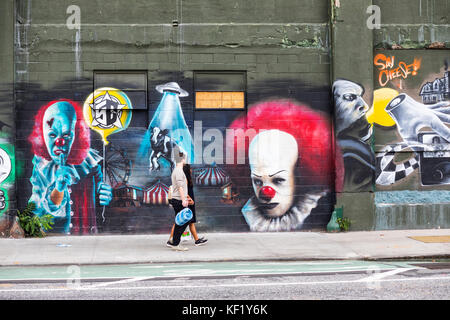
{"type": "Point", "coordinates": [59, 129]}
{"type": "Point", "coordinates": [273, 155]}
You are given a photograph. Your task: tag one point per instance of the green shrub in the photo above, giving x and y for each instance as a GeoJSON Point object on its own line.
{"type": "Point", "coordinates": [33, 225]}
{"type": "Point", "coordinates": [344, 223]}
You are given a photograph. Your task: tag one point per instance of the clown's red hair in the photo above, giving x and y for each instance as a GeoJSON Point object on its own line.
{"type": "Point", "coordinates": [312, 131]}
{"type": "Point", "coordinates": [81, 143]}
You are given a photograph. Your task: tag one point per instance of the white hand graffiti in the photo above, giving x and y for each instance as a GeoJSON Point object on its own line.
{"type": "Point", "coordinates": [411, 116]}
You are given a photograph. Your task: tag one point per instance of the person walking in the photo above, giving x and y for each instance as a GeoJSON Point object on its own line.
{"type": "Point", "coordinates": [179, 199]}
{"type": "Point", "coordinates": [190, 184]}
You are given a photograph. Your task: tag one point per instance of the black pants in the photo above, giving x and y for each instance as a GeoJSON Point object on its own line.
{"type": "Point", "coordinates": [178, 230]}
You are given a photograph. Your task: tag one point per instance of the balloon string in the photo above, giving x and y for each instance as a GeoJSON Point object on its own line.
{"type": "Point", "coordinates": [103, 212]}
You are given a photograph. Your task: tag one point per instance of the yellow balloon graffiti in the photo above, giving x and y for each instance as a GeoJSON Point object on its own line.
{"type": "Point", "coordinates": [377, 114]}
{"type": "Point", "coordinates": [107, 111]}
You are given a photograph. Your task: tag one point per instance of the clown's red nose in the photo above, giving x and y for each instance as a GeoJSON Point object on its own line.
{"type": "Point", "coordinates": [60, 142]}
{"type": "Point", "coordinates": [266, 193]}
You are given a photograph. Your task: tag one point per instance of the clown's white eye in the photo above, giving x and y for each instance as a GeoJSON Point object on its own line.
{"type": "Point", "coordinates": [52, 135]}
{"type": "Point", "coordinates": [278, 181]}
{"type": "Point", "coordinates": [66, 135]}
{"type": "Point", "coordinates": [257, 182]}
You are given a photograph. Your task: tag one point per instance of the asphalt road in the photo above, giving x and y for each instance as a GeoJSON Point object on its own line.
{"type": "Point", "coordinates": [243, 281]}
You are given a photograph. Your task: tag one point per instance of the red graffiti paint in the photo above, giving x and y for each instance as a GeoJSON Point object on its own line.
{"type": "Point", "coordinates": [388, 71]}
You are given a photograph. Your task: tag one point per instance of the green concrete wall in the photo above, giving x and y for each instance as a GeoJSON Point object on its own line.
{"type": "Point", "coordinates": [287, 49]}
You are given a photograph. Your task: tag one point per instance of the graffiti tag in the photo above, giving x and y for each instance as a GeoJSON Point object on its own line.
{"type": "Point", "coordinates": [388, 70]}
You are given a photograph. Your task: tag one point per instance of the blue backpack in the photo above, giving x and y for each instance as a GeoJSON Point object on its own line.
{"type": "Point", "coordinates": [183, 216]}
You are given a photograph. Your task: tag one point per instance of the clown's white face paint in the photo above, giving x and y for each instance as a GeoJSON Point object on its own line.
{"type": "Point", "coordinates": [273, 155]}
{"type": "Point", "coordinates": [59, 129]}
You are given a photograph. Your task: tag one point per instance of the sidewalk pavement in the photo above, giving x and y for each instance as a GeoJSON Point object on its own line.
{"type": "Point", "coordinates": [130, 249]}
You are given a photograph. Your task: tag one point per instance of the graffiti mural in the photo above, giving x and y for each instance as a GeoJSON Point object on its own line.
{"type": "Point", "coordinates": [291, 165]}
{"type": "Point", "coordinates": [167, 129]}
{"type": "Point", "coordinates": [67, 175]}
{"type": "Point", "coordinates": [118, 180]}
{"type": "Point", "coordinates": [389, 71]}
{"type": "Point", "coordinates": [424, 130]}
{"type": "Point", "coordinates": [7, 173]}
{"type": "Point", "coordinates": [423, 127]}
{"type": "Point", "coordinates": [107, 111]}
{"type": "Point", "coordinates": [353, 133]}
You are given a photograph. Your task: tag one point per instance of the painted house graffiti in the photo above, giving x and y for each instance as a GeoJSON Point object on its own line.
{"type": "Point", "coordinates": [437, 90]}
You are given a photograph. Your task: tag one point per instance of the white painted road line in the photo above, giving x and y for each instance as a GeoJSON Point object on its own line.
{"type": "Point", "coordinates": [104, 284]}
{"type": "Point", "coordinates": [222, 285]}
{"type": "Point", "coordinates": [380, 275]}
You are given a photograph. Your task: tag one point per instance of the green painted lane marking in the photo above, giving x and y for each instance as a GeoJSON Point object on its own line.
{"type": "Point", "coordinates": [103, 272]}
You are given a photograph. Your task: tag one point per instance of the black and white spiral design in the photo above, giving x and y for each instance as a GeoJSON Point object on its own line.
{"type": "Point", "coordinates": [389, 172]}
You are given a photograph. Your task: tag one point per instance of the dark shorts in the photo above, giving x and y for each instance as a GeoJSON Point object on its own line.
{"type": "Point", "coordinates": [178, 206]}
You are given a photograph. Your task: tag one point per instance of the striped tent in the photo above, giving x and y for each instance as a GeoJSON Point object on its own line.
{"type": "Point", "coordinates": [157, 194]}
{"type": "Point", "coordinates": [212, 176]}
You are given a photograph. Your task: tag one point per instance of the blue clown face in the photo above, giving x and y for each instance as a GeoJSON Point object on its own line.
{"type": "Point", "coordinates": [59, 130]}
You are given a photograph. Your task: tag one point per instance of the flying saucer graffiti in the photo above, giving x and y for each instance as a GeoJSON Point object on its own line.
{"type": "Point", "coordinates": [167, 129]}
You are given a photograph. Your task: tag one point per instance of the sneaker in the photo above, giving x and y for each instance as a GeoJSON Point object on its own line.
{"type": "Point", "coordinates": [170, 244]}
{"type": "Point", "coordinates": [179, 248]}
{"type": "Point", "coordinates": [200, 241]}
